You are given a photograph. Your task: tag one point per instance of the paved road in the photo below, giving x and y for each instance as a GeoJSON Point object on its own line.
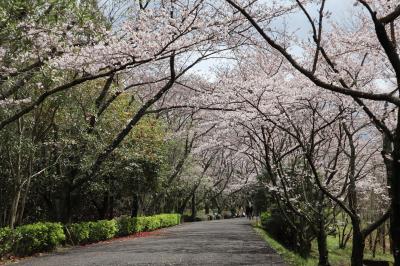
{"type": "Point", "coordinates": [222, 242]}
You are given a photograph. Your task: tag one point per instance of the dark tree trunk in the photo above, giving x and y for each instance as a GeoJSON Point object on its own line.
{"type": "Point", "coordinates": [67, 212]}
{"type": "Point", "coordinates": [395, 194]}
{"type": "Point", "coordinates": [207, 208]}
{"type": "Point", "coordinates": [194, 209]}
{"type": "Point", "coordinates": [384, 238]}
{"type": "Point", "coordinates": [322, 244]}
{"type": "Point", "coordinates": [111, 208]}
{"type": "Point", "coordinates": [135, 205]}
{"type": "Point", "coordinates": [322, 249]}
{"type": "Point", "coordinates": [357, 252]}
{"type": "Point", "coordinates": [304, 248]}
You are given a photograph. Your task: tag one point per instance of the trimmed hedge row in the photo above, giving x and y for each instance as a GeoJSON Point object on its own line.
{"type": "Point", "coordinates": [89, 232]}
{"type": "Point", "coordinates": [39, 237]}
{"type": "Point", "coordinates": [31, 238]}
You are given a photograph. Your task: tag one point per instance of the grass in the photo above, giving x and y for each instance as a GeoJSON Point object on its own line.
{"type": "Point", "coordinates": [337, 256]}
{"type": "Point", "coordinates": [288, 256]}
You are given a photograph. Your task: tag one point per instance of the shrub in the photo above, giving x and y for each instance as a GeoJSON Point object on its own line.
{"type": "Point", "coordinates": [6, 240]}
{"type": "Point", "coordinates": [264, 218]}
{"type": "Point", "coordinates": [276, 225]}
{"type": "Point", "coordinates": [140, 224]}
{"type": "Point", "coordinates": [102, 230]}
{"type": "Point", "coordinates": [167, 220]}
{"type": "Point", "coordinates": [150, 223]}
{"type": "Point", "coordinates": [227, 214]}
{"type": "Point", "coordinates": [78, 233]}
{"type": "Point", "coordinates": [219, 216]}
{"type": "Point", "coordinates": [37, 237]}
{"type": "Point", "coordinates": [126, 225]}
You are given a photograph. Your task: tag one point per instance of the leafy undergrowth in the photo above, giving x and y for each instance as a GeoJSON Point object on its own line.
{"type": "Point", "coordinates": [337, 256]}
{"type": "Point", "coordinates": [288, 256]}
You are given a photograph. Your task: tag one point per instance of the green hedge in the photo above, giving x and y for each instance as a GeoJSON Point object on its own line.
{"type": "Point", "coordinates": [150, 223]}
{"type": "Point", "coordinates": [167, 220]}
{"type": "Point", "coordinates": [90, 232]}
{"type": "Point", "coordinates": [126, 225]}
{"type": "Point", "coordinates": [6, 241]}
{"type": "Point", "coordinates": [78, 233]}
{"type": "Point", "coordinates": [264, 218]}
{"type": "Point", "coordinates": [39, 237]}
{"type": "Point", "coordinates": [102, 230]}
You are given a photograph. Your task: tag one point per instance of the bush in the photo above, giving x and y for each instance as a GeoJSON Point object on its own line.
{"type": "Point", "coordinates": [37, 237]}
{"type": "Point", "coordinates": [102, 230]}
{"type": "Point", "coordinates": [276, 225]}
{"type": "Point", "coordinates": [147, 223]}
{"type": "Point", "coordinates": [78, 233]}
{"type": "Point", "coordinates": [219, 216]}
{"type": "Point", "coordinates": [227, 214]}
{"type": "Point", "coordinates": [90, 232]}
{"type": "Point", "coordinates": [6, 240]}
{"type": "Point", "coordinates": [264, 218]}
{"type": "Point", "coordinates": [140, 224]}
{"type": "Point", "coordinates": [126, 225]}
{"type": "Point", "coordinates": [167, 220]}
{"type": "Point", "coordinates": [150, 223]}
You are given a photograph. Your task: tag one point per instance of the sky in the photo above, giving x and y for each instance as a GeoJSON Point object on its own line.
{"type": "Point", "coordinates": [340, 9]}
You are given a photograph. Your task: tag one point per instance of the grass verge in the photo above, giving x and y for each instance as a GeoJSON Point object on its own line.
{"type": "Point", "coordinates": [337, 256]}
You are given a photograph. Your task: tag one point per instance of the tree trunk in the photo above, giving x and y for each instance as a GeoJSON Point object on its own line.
{"type": "Point", "coordinates": [18, 179]}
{"type": "Point", "coordinates": [67, 217]}
{"type": "Point", "coordinates": [135, 205]}
{"type": "Point", "coordinates": [322, 248]}
{"type": "Point", "coordinates": [384, 238]}
{"type": "Point", "coordinates": [394, 182]}
{"type": "Point", "coordinates": [357, 252]}
{"type": "Point", "coordinates": [207, 208]}
{"type": "Point", "coordinates": [304, 248]}
{"type": "Point", "coordinates": [194, 209]}
{"type": "Point", "coordinates": [321, 237]}
{"type": "Point", "coordinates": [14, 207]}
{"type": "Point", "coordinates": [376, 240]}
{"type": "Point", "coordinates": [23, 201]}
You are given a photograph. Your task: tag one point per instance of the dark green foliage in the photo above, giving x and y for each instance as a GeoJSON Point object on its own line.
{"type": "Point", "coordinates": [264, 217]}
{"type": "Point", "coordinates": [90, 232]}
{"type": "Point", "coordinates": [77, 233]}
{"type": "Point", "coordinates": [102, 230]}
{"type": "Point", "coordinates": [147, 223]}
{"type": "Point", "coordinates": [6, 240]}
{"type": "Point", "coordinates": [276, 225]}
{"type": "Point", "coordinates": [126, 225]}
{"type": "Point", "coordinates": [152, 223]}
{"type": "Point", "coordinates": [37, 237]}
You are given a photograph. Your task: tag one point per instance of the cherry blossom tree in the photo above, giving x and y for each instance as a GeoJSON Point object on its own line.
{"type": "Point", "coordinates": [346, 65]}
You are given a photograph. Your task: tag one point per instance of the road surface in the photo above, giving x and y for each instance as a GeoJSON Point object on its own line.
{"type": "Point", "coordinates": [221, 242]}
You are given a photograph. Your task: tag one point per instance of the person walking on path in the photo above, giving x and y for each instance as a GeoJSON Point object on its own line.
{"type": "Point", "coordinates": [249, 211]}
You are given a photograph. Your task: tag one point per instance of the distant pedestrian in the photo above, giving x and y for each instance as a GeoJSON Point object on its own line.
{"type": "Point", "coordinates": [249, 212]}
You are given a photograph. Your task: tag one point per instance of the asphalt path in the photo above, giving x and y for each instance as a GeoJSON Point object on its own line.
{"type": "Point", "coordinates": [221, 242]}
